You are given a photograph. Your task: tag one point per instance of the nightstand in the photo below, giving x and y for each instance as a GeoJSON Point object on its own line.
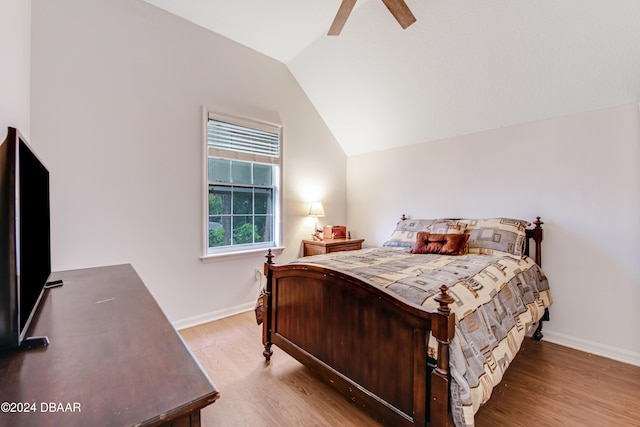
{"type": "Point", "coordinates": [314, 247]}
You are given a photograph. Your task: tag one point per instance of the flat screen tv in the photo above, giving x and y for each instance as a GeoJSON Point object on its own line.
{"type": "Point", "coordinates": [25, 240]}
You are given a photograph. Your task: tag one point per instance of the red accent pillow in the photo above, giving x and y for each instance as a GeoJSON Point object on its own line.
{"type": "Point", "coordinates": [445, 244]}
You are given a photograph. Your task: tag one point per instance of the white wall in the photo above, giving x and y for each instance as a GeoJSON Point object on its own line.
{"type": "Point", "coordinates": [118, 87]}
{"type": "Point", "coordinates": [580, 173]}
{"type": "Point", "coordinates": [15, 73]}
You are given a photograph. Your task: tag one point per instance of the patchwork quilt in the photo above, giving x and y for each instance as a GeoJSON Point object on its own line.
{"type": "Point", "coordinates": [498, 298]}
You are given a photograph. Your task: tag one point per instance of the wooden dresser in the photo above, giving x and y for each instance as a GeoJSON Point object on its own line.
{"type": "Point", "coordinates": [113, 359]}
{"type": "Point", "coordinates": [315, 247]}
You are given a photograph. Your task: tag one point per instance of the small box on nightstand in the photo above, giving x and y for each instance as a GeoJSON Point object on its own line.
{"type": "Point", "coordinates": [334, 232]}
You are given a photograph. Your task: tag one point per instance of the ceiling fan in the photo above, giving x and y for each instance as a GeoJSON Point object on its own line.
{"type": "Point", "coordinates": [398, 9]}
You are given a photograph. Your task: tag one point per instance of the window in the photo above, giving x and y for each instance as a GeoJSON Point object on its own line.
{"type": "Point", "coordinates": [243, 181]}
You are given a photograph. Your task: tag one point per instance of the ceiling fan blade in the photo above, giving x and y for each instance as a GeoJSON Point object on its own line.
{"type": "Point", "coordinates": [341, 17]}
{"type": "Point", "coordinates": [401, 12]}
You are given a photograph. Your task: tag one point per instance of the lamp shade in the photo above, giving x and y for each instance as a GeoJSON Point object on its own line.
{"type": "Point", "coordinates": [316, 209]}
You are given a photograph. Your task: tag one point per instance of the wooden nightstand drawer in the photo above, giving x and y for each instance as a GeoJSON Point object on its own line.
{"type": "Point", "coordinates": [345, 247]}
{"type": "Point", "coordinates": [313, 247]}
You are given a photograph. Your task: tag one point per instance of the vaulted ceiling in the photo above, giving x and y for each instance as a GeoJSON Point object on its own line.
{"type": "Point", "coordinates": [462, 67]}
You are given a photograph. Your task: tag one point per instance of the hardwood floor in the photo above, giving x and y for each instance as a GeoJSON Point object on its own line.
{"type": "Point", "coordinates": [547, 385]}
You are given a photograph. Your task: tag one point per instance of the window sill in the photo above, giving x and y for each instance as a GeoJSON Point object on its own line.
{"type": "Point", "coordinates": [228, 256]}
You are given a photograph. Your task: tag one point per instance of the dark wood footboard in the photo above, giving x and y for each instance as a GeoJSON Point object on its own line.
{"type": "Point", "coordinates": [365, 341]}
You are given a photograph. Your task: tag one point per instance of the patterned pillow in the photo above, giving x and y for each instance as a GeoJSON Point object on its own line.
{"type": "Point", "coordinates": [495, 236]}
{"type": "Point", "coordinates": [406, 231]}
{"type": "Point", "coordinates": [445, 244]}
{"type": "Point", "coordinates": [447, 226]}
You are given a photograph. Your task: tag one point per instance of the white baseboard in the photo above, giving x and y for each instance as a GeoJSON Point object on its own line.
{"type": "Point", "coordinates": [610, 352]}
{"type": "Point", "coordinates": [213, 315]}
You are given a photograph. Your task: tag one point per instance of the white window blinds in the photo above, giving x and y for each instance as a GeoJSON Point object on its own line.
{"type": "Point", "coordinates": [253, 142]}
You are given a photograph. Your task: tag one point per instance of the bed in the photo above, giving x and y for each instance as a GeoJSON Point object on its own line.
{"type": "Point", "coordinates": [419, 330]}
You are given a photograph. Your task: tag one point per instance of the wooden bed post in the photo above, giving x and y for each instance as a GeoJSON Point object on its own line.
{"type": "Point", "coordinates": [537, 237]}
{"type": "Point", "coordinates": [443, 329]}
{"type": "Point", "coordinates": [266, 324]}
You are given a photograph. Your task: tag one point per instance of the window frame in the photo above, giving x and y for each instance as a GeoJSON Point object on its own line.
{"type": "Point", "coordinates": [240, 250]}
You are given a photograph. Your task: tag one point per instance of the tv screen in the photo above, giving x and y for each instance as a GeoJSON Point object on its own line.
{"type": "Point", "coordinates": [34, 261]}
{"type": "Point", "coordinates": [25, 230]}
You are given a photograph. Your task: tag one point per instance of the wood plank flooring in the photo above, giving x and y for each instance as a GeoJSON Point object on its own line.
{"type": "Point", "coordinates": [547, 385]}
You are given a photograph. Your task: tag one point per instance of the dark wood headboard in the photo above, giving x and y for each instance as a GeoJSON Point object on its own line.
{"type": "Point", "coordinates": [535, 234]}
